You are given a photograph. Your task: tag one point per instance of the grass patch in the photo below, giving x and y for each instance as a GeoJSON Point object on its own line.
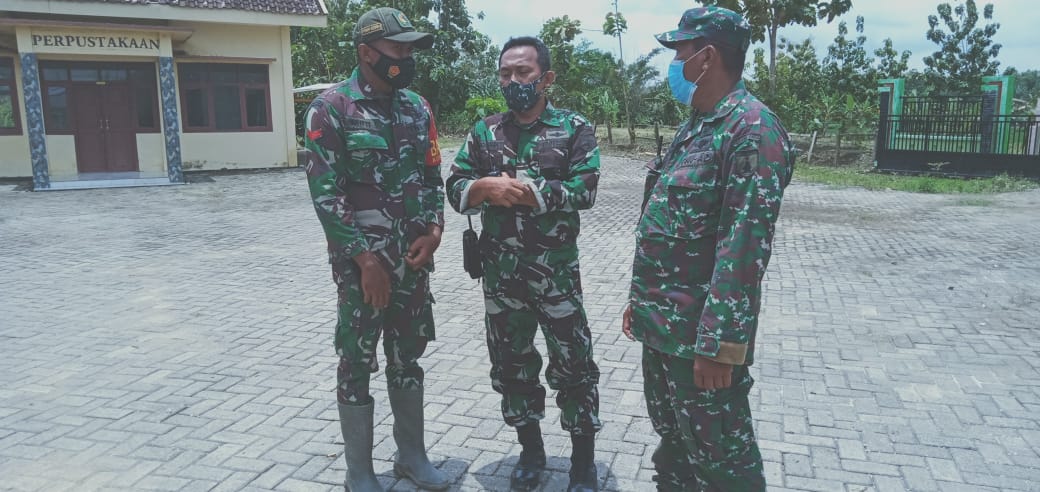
{"type": "Point", "coordinates": [450, 142]}
{"type": "Point", "coordinates": [866, 178]}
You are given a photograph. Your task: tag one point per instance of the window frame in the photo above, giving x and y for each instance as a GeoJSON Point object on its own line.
{"type": "Point", "coordinates": [131, 83]}
{"type": "Point", "coordinates": [16, 130]}
{"type": "Point", "coordinates": [209, 88]}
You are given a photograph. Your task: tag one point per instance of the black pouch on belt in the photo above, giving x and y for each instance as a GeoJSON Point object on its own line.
{"type": "Point", "coordinates": [471, 258]}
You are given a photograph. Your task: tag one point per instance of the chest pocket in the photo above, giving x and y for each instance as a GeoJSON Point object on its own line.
{"type": "Point", "coordinates": [693, 196]}
{"type": "Point", "coordinates": [551, 157]}
{"type": "Point", "coordinates": [413, 138]}
{"type": "Point", "coordinates": [491, 160]}
{"type": "Point", "coordinates": [368, 153]}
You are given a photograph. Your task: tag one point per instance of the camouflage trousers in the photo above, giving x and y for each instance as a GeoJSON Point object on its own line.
{"type": "Point", "coordinates": [521, 293]}
{"type": "Point", "coordinates": [707, 440]}
{"type": "Point", "coordinates": [406, 325]}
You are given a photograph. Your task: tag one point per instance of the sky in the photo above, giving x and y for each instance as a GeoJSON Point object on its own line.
{"type": "Point", "coordinates": [904, 21]}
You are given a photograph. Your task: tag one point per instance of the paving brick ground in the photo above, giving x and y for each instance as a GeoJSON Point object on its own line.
{"type": "Point", "coordinates": [180, 339]}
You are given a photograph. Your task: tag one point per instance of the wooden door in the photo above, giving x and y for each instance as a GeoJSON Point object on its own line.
{"type": "Point", "coordinates": [120, 133]}
{"type": "Point", "coordinates": [106, 139]}
{"type": "Point", "coordinates": [89, 127]}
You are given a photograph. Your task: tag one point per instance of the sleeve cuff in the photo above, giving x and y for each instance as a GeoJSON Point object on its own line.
{"type": "Point", "coordinates": [538, 196]}
{"type": "Point", "coordinates": [464, 207]}
{"type": "Point", "coordinates": [720, 351]}
{"type": "Point", "coordinates": [348, 252]}
{"type": "Point", "coordinates": [435, 219]}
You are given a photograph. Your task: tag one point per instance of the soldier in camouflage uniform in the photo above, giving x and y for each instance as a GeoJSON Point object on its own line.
{"type": "Point", "coordinates": [373, 166]}
{"type": "Point", "coordinates": [528, 172]}
{"type": "Point", "coordinates": [702, 245]}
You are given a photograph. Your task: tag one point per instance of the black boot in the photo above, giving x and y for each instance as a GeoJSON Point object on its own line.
{"type": "Point", "coordinates": [583, 464]}
{"type": "Point", "coordinates": [527, 474]}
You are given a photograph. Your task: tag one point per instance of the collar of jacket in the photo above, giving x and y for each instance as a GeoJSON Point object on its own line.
{"type": "Point", "coordinates": [361, 89]}
{"type": "Point", "coordinates": [723, 108]}
{"type": "Point", "coordinates": [728, 103]}
{"type": "Point", "coordinates": [550, 116]}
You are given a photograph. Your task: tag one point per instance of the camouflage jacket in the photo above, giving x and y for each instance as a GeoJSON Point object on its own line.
{"type": "Point", "coordinates": [557, 156]}
{"type": "Point", "coordinates": [705, 234]}
{"type": "Point", "coordinates": [373, 166]}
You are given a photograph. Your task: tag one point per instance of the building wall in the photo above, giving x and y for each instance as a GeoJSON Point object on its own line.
{"type": "Point", "coordinates": [14, 149]}
{"type": "Point", "coordinates": [61, 156]}
{"type": "Point", "coordinates": [158, 11]}
{"type": "Point", "coordinates": [151, 153]}
{"type": "Point", "coordinates": [61, 153]}
{"type": "Point", "coordinates": [238, 150]}
{"type": "Point", "coordinates": [210, 42]}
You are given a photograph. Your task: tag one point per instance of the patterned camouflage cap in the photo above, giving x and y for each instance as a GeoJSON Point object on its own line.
{"type": "Point", "coordinates": [392, 24]}
{"type": "Point", "coordinates": [714, 23]}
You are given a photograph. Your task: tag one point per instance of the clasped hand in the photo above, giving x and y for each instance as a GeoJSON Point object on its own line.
{"type": "Point", "coordinates": [421, 251]}
{"type": "Point", "coordinates": [504, 191]}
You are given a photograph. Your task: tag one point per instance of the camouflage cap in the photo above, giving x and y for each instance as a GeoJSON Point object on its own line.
{"type": "Point", "coordinates": [714, 23]}
{"type": "Point", "coordinates": [392, 24]}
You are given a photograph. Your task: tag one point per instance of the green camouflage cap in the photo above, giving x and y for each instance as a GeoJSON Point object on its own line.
{"type": "Point", "coordinates": [392, 24]}
{"type": "Point", "coordinates": [713, 23]}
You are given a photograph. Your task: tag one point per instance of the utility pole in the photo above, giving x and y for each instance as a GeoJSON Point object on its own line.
{"type": "Point", "coordinates": [621, 75]}
{"type": "Point", "coordinates": [621, 52]}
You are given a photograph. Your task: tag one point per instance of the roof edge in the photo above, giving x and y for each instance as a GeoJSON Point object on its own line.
{"type": "Point", "coordinates": [101, 9]}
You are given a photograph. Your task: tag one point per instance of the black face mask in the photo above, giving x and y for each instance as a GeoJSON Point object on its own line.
{"type": "Point", "coordinates": [397, 72]}
{"type": "Point", "coordinates": [521, 97]}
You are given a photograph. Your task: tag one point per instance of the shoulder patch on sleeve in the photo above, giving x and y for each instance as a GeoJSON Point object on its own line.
{"type": "Point", "coordinates": [433, 155]}
{"type": "Point", "coordinates": [745, 160]}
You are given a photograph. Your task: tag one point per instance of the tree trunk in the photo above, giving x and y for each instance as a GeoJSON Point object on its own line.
{"type": "Point", "coordinates": [610, 131]}
{"type": "Point", "coordinates": [812, 145]}
{"type": "Point", "coordinates": [628, 113]}
{"type": "Point", "coordinates": [772, 60]}
{"type": "Point", "coordinates": [837, 151]}
{"type": "Point", "coordinates": [624, 83]}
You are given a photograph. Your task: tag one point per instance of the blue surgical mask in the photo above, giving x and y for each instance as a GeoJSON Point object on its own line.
{"type": "Point", "coordinates": [683, 89]}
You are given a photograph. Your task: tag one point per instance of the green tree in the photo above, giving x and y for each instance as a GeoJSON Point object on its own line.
{"type": "Point", "coordinates": [890, 63]}
{"type": "Point", "coordinates": [1027, 89]}
{"type": "Point", "coordinates": [592, 79]}
{"type": "Point", "coordinates": [767, 17]}
{"type": "Point", "coordinates": [966, 52]}
{"type": "Point", "coordinates": [660, 106]}
{"type": "Point", "coordinates": [640, 77]}
{"type": "Point", "coordinates": [602, 108]}
{"type": "Point", "coordinates": [800, 84]}
{"type": "Point", "coordinates": [558, 34]}
{"type": "Point", "coordinates": [847, 66]}
{"type": "Point", "coordinates": [916, 83]}
{"type": "Point", "coordinates": [615, 25]}
{"type": "Point", "coordinates": [326, 54]}
{"type": "Point", "coordinates": [478, 108]}
{"type": "Point", "coordinates": [460, 54]}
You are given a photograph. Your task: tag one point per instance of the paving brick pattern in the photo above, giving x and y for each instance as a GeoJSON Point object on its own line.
{"type": "Point", "coordinates": [180, 339]}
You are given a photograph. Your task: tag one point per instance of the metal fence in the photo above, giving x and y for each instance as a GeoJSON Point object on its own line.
{"type": "Point", "coordinates": [1012, 135]}
{"type": "Point", "coordinates": [961, 144]}
{"type": "Point", "coordinates": [942, 105]}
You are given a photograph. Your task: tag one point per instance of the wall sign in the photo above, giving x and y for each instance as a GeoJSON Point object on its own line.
{"type": "Point", "coordinates": [100, 43]}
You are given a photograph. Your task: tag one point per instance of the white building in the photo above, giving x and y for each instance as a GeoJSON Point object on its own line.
{"type": "Point", "coordinates": [138, 91]}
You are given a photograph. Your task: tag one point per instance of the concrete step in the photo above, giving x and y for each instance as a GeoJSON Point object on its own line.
{"type": "Point", "coordinates": [86, 183]}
